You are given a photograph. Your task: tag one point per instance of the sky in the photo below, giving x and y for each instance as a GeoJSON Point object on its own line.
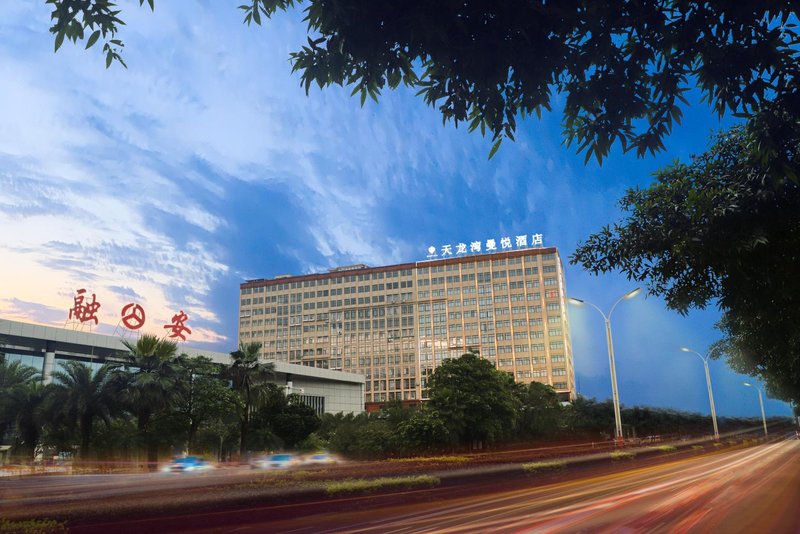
{"type": "Point", "coordinates": [205, 164]}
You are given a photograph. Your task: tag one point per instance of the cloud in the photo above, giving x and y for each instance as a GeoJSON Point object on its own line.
{"type": "Point", "coordinates": [19, 310]}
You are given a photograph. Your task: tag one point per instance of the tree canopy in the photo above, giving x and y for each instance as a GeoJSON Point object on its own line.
{"type": "Point", "coordinates": [621, 66]}
{"type": "Point", "coordinates": [476, 401]}
{"type": "Point", "coordinates": [723, 229]}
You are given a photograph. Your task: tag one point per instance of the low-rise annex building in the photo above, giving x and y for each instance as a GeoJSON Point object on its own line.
{"type": "Point", "coordinates": [42, 347]}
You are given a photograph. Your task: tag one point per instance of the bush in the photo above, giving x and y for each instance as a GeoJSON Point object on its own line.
{"type": "Point", "coordinates": [540, 467]}
{"type": "Point", "coordinates": [622, 455]}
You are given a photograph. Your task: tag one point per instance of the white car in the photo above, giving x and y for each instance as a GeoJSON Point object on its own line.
{"type": "Point", "coordinates": [275, 461]}
{"type": "Point", "coordinates": [320, 458]}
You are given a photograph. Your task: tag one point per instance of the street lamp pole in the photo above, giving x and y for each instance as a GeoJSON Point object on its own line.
{"type": "Point", "coordinates": [761, 403]}
{"type": "Point", "coordinates": [607, 319]}
{"type": "Point", "coordinates": [710, 392]}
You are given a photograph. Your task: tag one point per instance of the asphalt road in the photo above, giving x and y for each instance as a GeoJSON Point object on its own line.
{"type": "Point", "coordinates": [750, 490]}
{"type": "Point", "coordinates": [745, 490]}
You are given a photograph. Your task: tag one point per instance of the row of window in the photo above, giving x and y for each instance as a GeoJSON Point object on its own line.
{"type": "Point", "coordinates": [361, 277]}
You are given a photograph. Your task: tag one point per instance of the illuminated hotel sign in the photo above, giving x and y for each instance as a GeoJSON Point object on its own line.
{"type": "Point", "coordinates": [490, 245]}
{"type": "Point", "coordinates": [132, 316]}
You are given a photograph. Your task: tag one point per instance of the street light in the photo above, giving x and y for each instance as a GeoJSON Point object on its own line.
{"type": "Point", "coordinates": [760, 402]}
{"type": "Point", "coordinates": [607, 319]}
{"type": "Point", "coordinates": [710, 393]}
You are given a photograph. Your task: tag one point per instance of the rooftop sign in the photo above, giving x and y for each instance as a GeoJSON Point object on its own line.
{"type": "Point", "coordinates": [490, 245]}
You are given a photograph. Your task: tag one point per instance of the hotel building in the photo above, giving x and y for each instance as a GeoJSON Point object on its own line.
{"type": "Point", "coordinates": [395, 324]}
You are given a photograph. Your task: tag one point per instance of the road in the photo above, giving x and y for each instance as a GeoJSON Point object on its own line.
{"type": "Point", "coordinates": [748, 490]}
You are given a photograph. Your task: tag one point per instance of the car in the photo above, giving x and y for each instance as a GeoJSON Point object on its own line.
{"type": "Point", "coordinates": [187, 464]}
{"type": "Point", "coordinates": [320, 458]}
{"type": "Point", "coordinates": [275, 461]}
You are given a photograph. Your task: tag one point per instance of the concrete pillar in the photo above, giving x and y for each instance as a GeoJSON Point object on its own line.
{"type": "Point", "coordinates": [49, 361]}
{"type": "Point", "coordinates": [288, 388]}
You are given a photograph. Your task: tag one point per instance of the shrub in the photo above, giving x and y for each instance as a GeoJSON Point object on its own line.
{"type": "Point", "coordinates": [540, 467]}
{"type": "Point", "coordinates": [622, 455]}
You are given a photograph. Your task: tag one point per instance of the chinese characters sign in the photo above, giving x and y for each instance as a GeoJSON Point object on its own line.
{"type": "Point", "coordinates": [84, 310]}
{"type": "Point", "coordinates": [132, 315]}
{"type": "Point", "coordinates": [178, 325]}
{"type": "Point", "coordinates": [490, 245]}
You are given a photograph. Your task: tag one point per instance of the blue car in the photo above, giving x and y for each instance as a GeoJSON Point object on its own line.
{"type": "Point", "coordinates": [187, 464]}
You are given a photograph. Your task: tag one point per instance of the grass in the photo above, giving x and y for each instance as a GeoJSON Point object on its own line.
{"type": "Point", "coordinates": [374, 484]}
{"type": "Point", "coordinates": [32, 526]}
{"type": "Point", "coordinates": [540, 467]}
{"type": "Point", "coordinates": [433, 459]}
{"type": "Point", "coordinates": [697, 447]}
{"type": "Point", "coordinates": [281, 479]}
{"type": "Point", "coordinates": [666, 448]}
{"type": "Point", "coordinates": [271, 482]}
{"type": "Point", "coordinates": [622, 455]}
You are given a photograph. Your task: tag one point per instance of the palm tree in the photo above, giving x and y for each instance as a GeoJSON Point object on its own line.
{"type": "Point", "coordinates": [151, 382]}
{"type": "Point", "coordinates": [248, 376]}
{"type": "Point", "coordinates": [27, 403]}
{"type": "Point", "coordinates": [82, 396]}
{"type": "Point", "coordinates": [15, 378]}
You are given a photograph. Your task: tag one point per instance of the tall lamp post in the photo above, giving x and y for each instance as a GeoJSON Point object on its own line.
{"type": "Point", "coordinates": [710, 392]}
{"type": "Point", "coordinates": [761, 403]}
{"type": "Point", "coordinates": [607, 319]}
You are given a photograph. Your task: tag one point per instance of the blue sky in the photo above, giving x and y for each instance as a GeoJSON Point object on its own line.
{"type": "Point", "coordinates": [204, 164]}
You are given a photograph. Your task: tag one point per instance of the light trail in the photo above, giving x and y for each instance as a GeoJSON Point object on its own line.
{"type": "Point", "coordinates": [697, 494]}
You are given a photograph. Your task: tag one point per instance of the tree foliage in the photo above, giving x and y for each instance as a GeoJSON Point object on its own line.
{"type": "Point", "coordinates": [542, 415]}
{"type": "Point", "coordinates": [83, 396]}
{"type": "Point", "coordinates": [723, 229]}
{"type": "Point", "coordinates": [476, 401]}
{"type": "Point", "coordinates": [151, 385]}
{"type": "Point", "coordinates": [248, 377]}
{"type": "Point", "coordinates": [205, 398]}
{"type": "Point", "coordinates": [622, 66]}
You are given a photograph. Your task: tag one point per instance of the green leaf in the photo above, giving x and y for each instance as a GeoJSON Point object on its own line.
{"type": "Point", "coordinates": [495, 147]}
{"type": "Point", "coordinates": [92, 39]}
{"type": "Point", "coordinates": [59, 40]}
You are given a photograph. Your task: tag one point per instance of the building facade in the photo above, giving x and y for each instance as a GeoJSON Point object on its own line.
{"type": "Point", "coordinates": [394, 325]}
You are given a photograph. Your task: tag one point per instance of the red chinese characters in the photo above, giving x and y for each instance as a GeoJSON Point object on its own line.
{"type": "Point", "coordinates": [178, 325]}
{"type": "Point", "coordinates": [83, 309]}
{"type": "Point", "coordinates": [132, 315]}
